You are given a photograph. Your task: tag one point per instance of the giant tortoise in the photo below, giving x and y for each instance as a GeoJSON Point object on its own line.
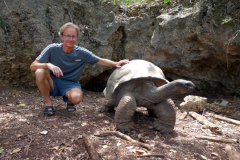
{"type": "Point", "coordinates": [142, 84]}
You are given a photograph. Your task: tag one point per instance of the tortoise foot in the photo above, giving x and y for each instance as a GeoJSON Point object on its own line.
{"type": "Point", "coordinates": [125, 127]}
{"type": "Point", "coordinates": [163, 127]}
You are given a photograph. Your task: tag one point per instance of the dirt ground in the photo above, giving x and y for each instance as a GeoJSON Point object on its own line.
{"type": "Point", "coordinates": [28, 134]}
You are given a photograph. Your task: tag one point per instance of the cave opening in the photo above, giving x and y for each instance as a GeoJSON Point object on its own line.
{"type": "Point", "coordinates": [98, 84]}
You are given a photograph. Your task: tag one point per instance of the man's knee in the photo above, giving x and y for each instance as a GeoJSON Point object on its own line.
{"type": "Point", "coordinates": [41, 73]}
{"type": "Point", "coordinates": [76, 100]}
{"type": "Point", "coordinates": [75, 96]}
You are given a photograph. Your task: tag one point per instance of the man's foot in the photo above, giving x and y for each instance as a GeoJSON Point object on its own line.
{"type": "Point", "coordinates": [71, 107]}
{"type": "Point", "coordinates": [48, 110]}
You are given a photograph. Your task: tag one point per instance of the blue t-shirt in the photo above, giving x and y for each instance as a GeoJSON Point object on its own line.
{"type": "Point", "coordinates": [71, 64]}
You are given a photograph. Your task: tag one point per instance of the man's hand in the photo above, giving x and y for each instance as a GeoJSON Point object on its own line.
{"type": "Point", "coordinates": [56, 70]}
{"type": "Point", "coordinates": [120, 63]}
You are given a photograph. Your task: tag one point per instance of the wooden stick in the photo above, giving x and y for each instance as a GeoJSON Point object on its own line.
{"type": "Point", "coordinates": [217, 139]}
{"type": "Point", "coordinates": [27, 147]}
{"type": "Point", "coordinates": [123, 136]}
{"type": "Point", "coordinates": [203, 120]}
{"type": "Point", "coordinates": [229, 120]}
{"type": "Point", "coordinates": [150, 155]}
{"type": "Point", "coordinates": [93, 154]}
{"type": "Point", "coordinates": [183, 116]}
{"type": "Point", "coordinates": [232, 154]}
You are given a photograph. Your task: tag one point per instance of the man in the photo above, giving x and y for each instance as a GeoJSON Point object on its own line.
{"type": "Point", "coordinates": [66, 63]}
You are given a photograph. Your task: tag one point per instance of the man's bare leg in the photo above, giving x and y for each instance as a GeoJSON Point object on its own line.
{"type": "Point", "coordinates": [45, 84]}
{"type": "Point", "coordinates": [74, 96]}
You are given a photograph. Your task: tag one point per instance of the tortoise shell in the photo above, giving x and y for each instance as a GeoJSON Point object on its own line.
{"type": "Point", "coordinates": [136, 69]}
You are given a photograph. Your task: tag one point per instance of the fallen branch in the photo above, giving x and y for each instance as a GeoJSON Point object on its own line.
{"type": "Point", "coordinates": [123, 136]}
{"type": "Point", "coordinates": [229, 120]}
{"type": "Point", "coordinates": [93, 154]}
{"type": "Point", "coordinates": [205, 132]}
{"type": "Point", "coordinates": [203, 120]}
{"type": "Point", "coordinates": [6, 6]}
{"type": "Point", "coordinates": [217, 139]}
{"type": "Point", "coordinates": [183, 115]}
{"type": "Point", "coordinates": [27, 147]}
{"type": "Point", "coordinates": [231, 152]}
{"type": "Point", "coordinates": [151, 155]}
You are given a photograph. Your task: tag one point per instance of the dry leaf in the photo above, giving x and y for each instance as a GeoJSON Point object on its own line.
{"type": "Point", "coordinates": [130, 147]}
{"type": "Point", "coordinates": [79, 136]}
{"type": "Point", "coordinates": [140, 151]}
{"type": "Point", "coordinates": [173, 151]}
{"type": "Point", "coordinates": [84, 124]}
{"type": "Point", "coordinates": [214, 154]}
{"type": "Point", "coordinates": [16, 150]}
{"type": "Point", "coordinates": [118, 144]}
{"type": "Point", "coordinates": [105, 146]}
{"type": "Point", "coordinates": [55, 126]}
{"type": "Point", "coordinates": [20, 135]}
{"type": "Point", "coordinates": [44, 132]}
{"type": "Point", "coordinates": [172, 139]}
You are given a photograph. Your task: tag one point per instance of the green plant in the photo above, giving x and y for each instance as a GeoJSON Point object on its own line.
{"type": "Point", "coordinates": [95, 45]}
{"type": "Point", "coordinates": [48, 9]}
{"type": "Point", "coordinates": [129, 2]}
{"type": "Point", "coordinates": [1, 150]}
{"type": "Point", "coordinates": [143, 133]}
{"type": "Point", "coordinates": [56, 33]}
{"type": "Point", "coordinates": [62, 146]}
{"type": "Point", "coordinates": [165, 2]}
{"type": "Point", "coordinates": [4, 25]}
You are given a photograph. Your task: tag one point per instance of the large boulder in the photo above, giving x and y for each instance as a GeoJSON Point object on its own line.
{"type": "Point", "coordinates": [197, 41]}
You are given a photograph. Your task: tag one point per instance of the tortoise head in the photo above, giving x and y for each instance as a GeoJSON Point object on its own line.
{"type": "Point", "coordinates": [183, 86]}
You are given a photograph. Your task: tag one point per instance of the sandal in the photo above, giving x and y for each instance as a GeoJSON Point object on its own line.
{"type": "Point", "coordinates": [71, 107]}
{"type": "Point", "coordinates": [48, 111]}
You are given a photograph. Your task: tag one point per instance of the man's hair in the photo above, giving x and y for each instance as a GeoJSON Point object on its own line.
{"type": "Point", "coordinates": [67, 25]}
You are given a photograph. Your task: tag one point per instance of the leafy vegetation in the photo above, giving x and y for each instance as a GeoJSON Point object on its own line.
{"type": "Point", "coordinates": [165, 2]}
{"type": "Point", "coordinates": [95, 45]}
{"type": "Point", "coordinates": [4, 25]}
{"type": "Point", "coordinates": [129, 2]}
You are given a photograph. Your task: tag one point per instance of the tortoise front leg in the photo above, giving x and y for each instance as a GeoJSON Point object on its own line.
{"type": "Point", "coordinates": [166, 116]}
{"type": "Point", "coordinates": [124, 113]}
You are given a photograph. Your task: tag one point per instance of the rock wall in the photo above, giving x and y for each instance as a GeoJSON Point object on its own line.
{"type": "Point", "coordinates": [196, 41]}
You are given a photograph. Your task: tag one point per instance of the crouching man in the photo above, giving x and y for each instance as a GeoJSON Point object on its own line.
{"type": "Point", "coordinates": [59, 66]}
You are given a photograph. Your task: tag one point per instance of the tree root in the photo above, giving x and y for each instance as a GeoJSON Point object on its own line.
{"type": "Point", "coordinates": [229, 120]}
{"type": "Point", "coordinates": [27, 147]}
{"type": "Point", "coordinates": [203, 120]}
{"type": "Point", "coordinates": [232, 154]}
{"type": "Point", "coordinates": [217, 139]}
{"type": "Point", "coordinates": [91, 149]}
{"type": "Point", "coordinates": [123, 136]}
{"type": "Point", "coordinates": [151, 155]}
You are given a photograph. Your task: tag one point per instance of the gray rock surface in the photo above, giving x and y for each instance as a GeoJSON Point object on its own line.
{"type": "Point", "coordinates": [198, 41]}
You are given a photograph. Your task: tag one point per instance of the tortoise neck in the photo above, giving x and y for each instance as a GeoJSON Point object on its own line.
{"type": "Point", "coordinates": [161, 93]}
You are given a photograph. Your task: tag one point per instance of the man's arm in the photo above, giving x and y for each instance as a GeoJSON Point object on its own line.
{"type": "Point", "coordinates": [109, 63]}
{"type": "Point", "coordinates": [38, 65]}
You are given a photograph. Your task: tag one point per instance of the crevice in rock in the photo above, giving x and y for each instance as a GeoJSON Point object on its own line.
{"type": "Point", "coordinates": [118, 40]}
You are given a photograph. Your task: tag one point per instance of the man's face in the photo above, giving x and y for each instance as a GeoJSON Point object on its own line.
{"type": "Point", "coordinates": [69, 37]}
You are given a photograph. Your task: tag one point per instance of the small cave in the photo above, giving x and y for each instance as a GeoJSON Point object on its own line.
{"type": "Point", "coordinates": [98, 84]}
